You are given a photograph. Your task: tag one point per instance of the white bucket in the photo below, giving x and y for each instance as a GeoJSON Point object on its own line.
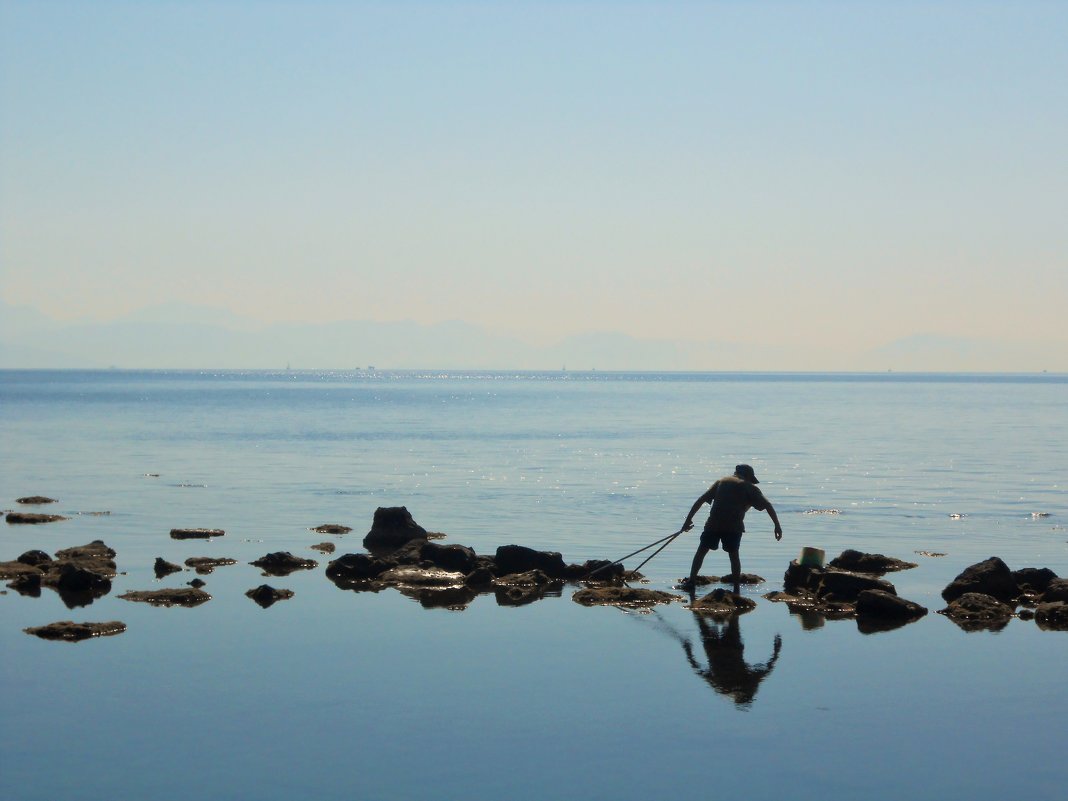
{"type": "Point", "coordinates": [811, 557]}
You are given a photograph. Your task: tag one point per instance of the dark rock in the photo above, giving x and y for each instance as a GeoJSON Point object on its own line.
{"type": "Point", "coordinates": [204, 565]}
{"type": "Point", "coordinates": [356, 567]}
{"type": "Point", "coordinates": [164, 568]}
{"type": "Point", "coordinates": [422, 577]}
{"type": "Point", "coordinates": [520, 559]}
{"type": "Point", "coordinates": [325, 547]}
{"type": "Point", "coordinates": [1056, 590]}
{"type": "Point", "coordinates": [188, 597]}
{"type": "Point", "coordinates": [600, 570]}
{"type": "Point", "coordinates": [530, 578]}
{"type": "Point", "coordinates": [330, 528]}
{"type": "Point", "coordinates": [282, 563]}
{"type": "Point", "coordinates": [991, 577]}
{"type": "Point", "coordinates": [880, 605]}
{"type": "Point", "coordinates": [479, 577]}
{"type": "Point", "coordinates": [265, 595]}
{"type": "Point", "coordinates": [860, 562]}
{"type": "Point", "coordinates": [721, 604]}
{"type": "Point", "coordinates": [623, 596]}
{"type": "Point", "coordinates": [1033, 579]}
{"type": "Point", "coordinates": [35, 558]}
{"type": "Point", "coordinates": [195, 533]}
{"type": "Point", "coordinates": [449, 557]}
{"type": "Point", "coordinates": [28, 584]}
{"type": "Point", "coordinates": [840, 585]}
{"type": "Point", "coordinates": [974, 611]}
{"type": "Point", "coordinates": [744, 578]}
{"type": "Point", "coordinates": [1026, 614]}
{"type": "Point", "coordinates": [95, 556]}
{"type": "Point", "coordinates": [35, 500]}
{"type": "Point", "coordinates": [1052, 616]}
{"type": "Point", "coordinates": [32, 519]}
{"type": "Point", "coordinates": [75, 580]}
{"type": "Point", "coordinates": [516, 595]}
{"type": "Point", "coordinates": [812, 609]}
{"type": "Point", "coordinates": [70, 631]}
{"type": "Point", "coordinates": [197, 583]}
{"type": "Point", "coordinates": [391, 528]}
{"type": "Point", "coordinates": [454, 598]}
{"type": "Point", "coordinates": [11, 570]}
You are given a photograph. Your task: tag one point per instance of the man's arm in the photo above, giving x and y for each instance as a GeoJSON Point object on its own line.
{"type": "Point", "coordinates": [706, 498]}
{"type": "Point", "coordinates": [774, 519]}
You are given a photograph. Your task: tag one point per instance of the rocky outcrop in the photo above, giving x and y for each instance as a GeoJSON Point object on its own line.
{"type": "Point", "coordinates": [266, 595]}
{"type": "Point", "coordinates": [623, 596]}
{"type": "Point", "coordinates": [975, 611]}
{"type": "Point", "coordinates": [184, 596]}
{"type": "Point", "coordinates": [204, 565]}
{"type": "Point", "coordinates": [991, 577]}
{"type": "Point", "coordinates": [829, 584]}
{"type": "Point", "coordinates": [195, 533]}
{"type": "Point", "coordinates": [331, 528]}
{"type": "Point", "coordinates": [392, 527]}
{"type": "Point", "coordinates": [721, 604]}
{"type": "Point", "coordinates": [70, 631]}
{"type": "Point", "coordinates": [27, 518]}
{"type": "Point", "coordinates": [520, 559]}
{"type": "Point", "coordinates": [163, 568]}
{"type": "Point", "coordinates": [35, 500]}
{"type": "Point", "coordinates": [80, 575]}
{"type": "Point", "coordinates": [282, 563]}
{"type": "Point", "coordinates": [877, 563]}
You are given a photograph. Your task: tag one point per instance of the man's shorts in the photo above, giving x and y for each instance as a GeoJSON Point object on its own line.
{"type": "Point", "coordinates": [711, 539]}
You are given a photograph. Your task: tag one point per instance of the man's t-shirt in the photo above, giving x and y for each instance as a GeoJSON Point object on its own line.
{"type": "Point", "coordinates": [732, 497]}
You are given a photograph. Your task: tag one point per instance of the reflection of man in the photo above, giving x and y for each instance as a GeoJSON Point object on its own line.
{"type": "Point", "coordinates": [727, 672]}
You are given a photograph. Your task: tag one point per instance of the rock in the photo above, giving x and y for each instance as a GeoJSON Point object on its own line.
{"type": "Point", "coordinates": [1052, 616]}
{"type": "Point", "coordinates": [991, 577]}
{"type": "Point", "coordinates": [880, 605]}
{"type": "Point", "coordinates": [204, 565]}
{"type": "Point", "coordinates": [841, 585]}
{"type": "Point", "coordinates": [449, 557]}
{"type": "Point", "coordinates": [721, 604]}
{"type": "Point", "coordinates": [356, 567]}
{"type": "Point", "coordinates": [516, 595]}
{"type": "Point", "coordinates": [931, 554]}
{"type": "Point", "coordinates": [1056, 590]}
{"type": "Point", "coordinates": [70, 631]}
{"type": "Point", "coordinates": [812, 609]}
{"type": "Point", "coordinates": [530, 578]}
{"type": "Point", "coordinates": [598, 570]}
{"type": "Point", "coordinates": [197, 583]}
{"type": "Point", "coordinates": [325, 547]}
{"type": "Point", "coordinates": [164, 568]}
{"type": "Point", "coordinates": [265, 595]}
{"type": "Point", "coordinates": [32, 519]}
{"type": "Point", "coordinates": [623, 596]}
{"type": "Point", "coordinates": [330, 528]}
{"type": "Point", "coordinates": [520, 559]}
{"type": "Point", "coordinates": [860, 562]}
{"type": "Point", "coordinates": [422, 577]}
{"type": "Point", "coordinates": [34, 558]}
{"type": "Point", "coordinates": [974, 611]}
{"type": "Point", "coordinates": [282, 563]}
{"type": "Point", "coordinates": [479, 577]}
{"type": "Point", "coordinates": [391, 528]}
{"type": "Point", "coordinates": [73, 579]}
{"type": "Point", "coordinates": [195, 533]}
{"type": "Point", "coordinates": [11, 570]}
{"type": "Point", "coordinates": [744, 578]}
{"type": "Point", "coordinates": [35, 500]}
{"type": "Point", "coordinates": [95, 556]}
{"type": "Point", "coordinates": [172, 597]}
{"type": "Point", "coordinates": [1033, 579]}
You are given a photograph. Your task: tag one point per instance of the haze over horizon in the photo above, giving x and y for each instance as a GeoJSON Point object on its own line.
{"type": "Point", "coordinates": [647, 185]}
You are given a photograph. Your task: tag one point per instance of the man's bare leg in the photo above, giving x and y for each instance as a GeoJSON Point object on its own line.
{"type": "Point", "coordinates": [698, 558]}
{"type": "Point", "coordinates": [736, 570]}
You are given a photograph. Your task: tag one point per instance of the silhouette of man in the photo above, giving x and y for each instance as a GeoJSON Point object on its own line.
{"type": "Point", "coordinates": [731, 497]}
{"type": "Point", "coordinates": [728, 673]}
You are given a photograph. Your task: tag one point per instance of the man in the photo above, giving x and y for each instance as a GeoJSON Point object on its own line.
{"type": "Point", "coordinates": [731, 497]}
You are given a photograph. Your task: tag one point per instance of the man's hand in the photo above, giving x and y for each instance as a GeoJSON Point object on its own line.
{"type": "Point", "coordinates": [778, 533]}
{"type": "Point", "coordinates": [687, 525]}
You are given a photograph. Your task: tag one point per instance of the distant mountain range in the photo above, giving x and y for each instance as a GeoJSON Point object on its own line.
{"type": "Point", "coordinates": [181, 336]}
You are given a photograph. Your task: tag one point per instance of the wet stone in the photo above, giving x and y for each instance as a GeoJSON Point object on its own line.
{"type": "Point", "coordinates": [422, 577]}
{"type": "Point", "coordinates": [1056, 590]}
{"type": "Point", "coordinates": [282, 563]}
{"type": "Point", "coordinates": [172, 597]}
{"type": "Point", "coordinates": [204, 565]}
{"type": "Point", "coordinates": [391, 528]}
{"type": "Point", "coordinates": [265, 595]}
{"type": "Point", "coordinates": [162, 567]}
{"type": "Point", "coordinates": [331, 528]}
{"type": "Point", "coordinates": [195, 533]}
{"type": "Point", "coordinates": [70, 631]}
{"type": "Point", "coordinates": [990, 577]}
{"type": "Point", "coordinates": [1034, 579]}
{"type": "Point", "coordinates": [35, 500]}
{"type": "Point", "coordinates": [197, 583]}
{"type": "Point", "coordinates": [529, 578]}
{"type": "Point", "coordinates": [722, 604]}
{"type": "Point", "coordinates": [975, 611]}
{"type": "Point", "coordinates": [324, 547]}
{"type": "Point", "coordinates": [880, 611]}
{"type": "Point", "coordinates": [623, 596]}
{"type": "Point", "coordinates": [26, 518]}
{"type": "Point", "coordinates": [859, 562]}
{"type": "Point", "coordinates": [1052, 616]}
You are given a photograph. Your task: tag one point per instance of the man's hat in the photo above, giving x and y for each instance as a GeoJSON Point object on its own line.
{"type": "Point", "coordinates": [746, 472]}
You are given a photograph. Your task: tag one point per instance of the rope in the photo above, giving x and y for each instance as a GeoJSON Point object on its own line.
{"type": "Point", "coordinates": [666, 540]}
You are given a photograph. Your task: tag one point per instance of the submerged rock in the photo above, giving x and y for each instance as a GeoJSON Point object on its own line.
{"type": "Point", "coordinates": [991, 577]}
{"type": "Point", "coordinates": [331, 528]}
{"type": "Point", "coordinates": [623, 596]}
{"type": "Point", "coordinates": [860, 562]}
{"type": "Point", "coordinates": [29, 518]}
{"type": "Point", "coordinates": [974, 611]}
{"type": "Point", "coordinates": [204, 565]}
{"type": "Point", "coordinates": [325, 547]}
{"type": "Point", "coordinates": [266, 595]}
{"type": "Point", "coordinates": [183, 596]}
{"type": "Point", "coordinates": [282, 563]}
{"type": "Point", "coordinates": [391, 528]}
{"type": "Point", "coordinates": [195, 533]}
{"type": "Point", "coordinates": [70, 631]}
{"type": "Point", "coordinates": [163, 568]}
{"type": "Point", "coordinates": [35, 500]}
{"type": "Point", "coordinates": [721, 604]}
{"type": "Point", "coordinates": [1052, 616]}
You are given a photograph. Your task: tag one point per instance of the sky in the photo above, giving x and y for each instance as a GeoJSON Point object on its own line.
{"type": "Point", "coordinates": [796, 173]}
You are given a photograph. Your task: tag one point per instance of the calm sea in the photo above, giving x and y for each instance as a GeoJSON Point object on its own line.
{"type": "Point", "coordinates": [335, 694]}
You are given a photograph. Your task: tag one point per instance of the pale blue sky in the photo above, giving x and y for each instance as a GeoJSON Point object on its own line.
{"type": "Point", "coordinates": [786, 173]}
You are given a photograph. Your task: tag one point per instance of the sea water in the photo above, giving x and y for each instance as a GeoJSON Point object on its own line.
{"type": "Point", "coordinates": [336, 694]}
